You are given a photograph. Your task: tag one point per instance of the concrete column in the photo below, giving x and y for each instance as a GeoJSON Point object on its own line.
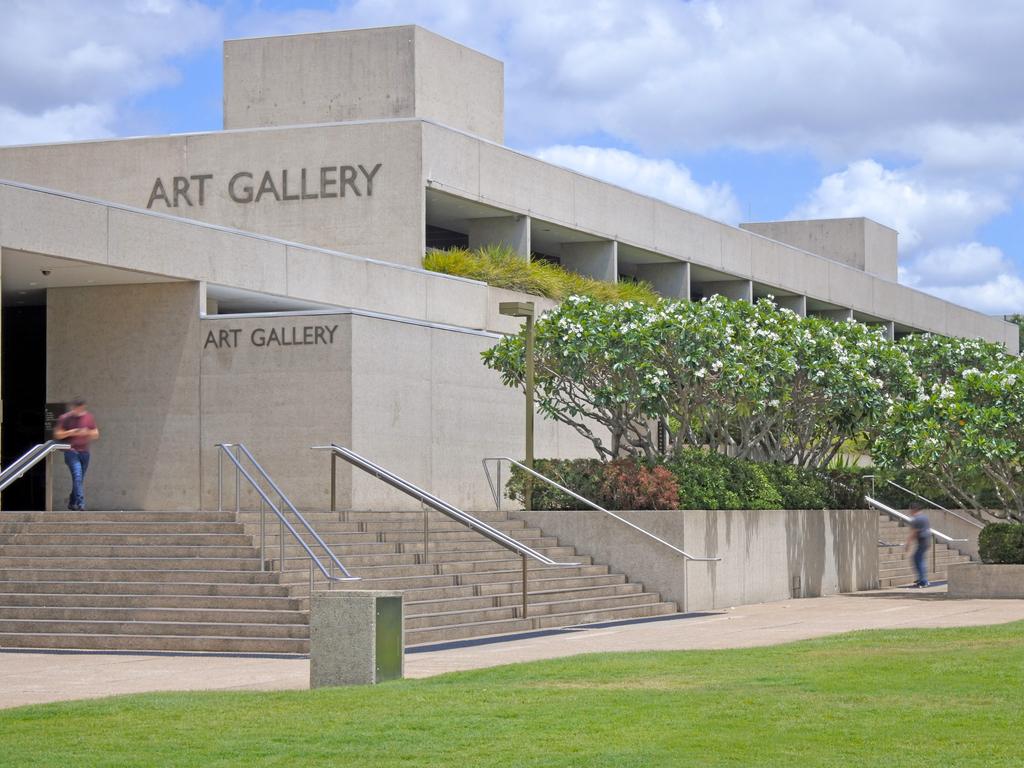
{"type": "Point", "coordinates": [737, 290]}
{"type": "Point", "coordinates": [670, 278]}
{"type": "Point", "coordinates": [356, 637]}
{"type": "Point", "coordinates": [839, 315]}
{"type": "Point", "coordinates": [890, 329]}
{"type": "Point", "coordinates": [597, 260]}
{"type": "Point", "coordinates": [797, 304]}
{"type": "Point", "coordinates": [512, 231]}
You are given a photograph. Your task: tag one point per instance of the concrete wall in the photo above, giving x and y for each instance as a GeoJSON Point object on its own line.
{"type": "Point", "coordinates": [364, 74]}
{"type": "Point", "coordinates": [766, 554]}
{"type": "Point", "coordinates": [384, 220]}
{"type": "Point", "coordinates": [133, 352]}
{"type": "Point", "coordinates": [424, 406]}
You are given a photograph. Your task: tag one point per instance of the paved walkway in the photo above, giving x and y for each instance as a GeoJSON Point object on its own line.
{"type": "Point", "coordinates": [30, 678]}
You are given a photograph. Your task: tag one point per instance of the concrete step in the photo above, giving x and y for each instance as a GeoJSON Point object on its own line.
{"type": "Point", "coordinates": [298, 571]}
{"type": "Point", "coordinates": [72, 588]}
{"type": "Point", "coordinates": [129, 627]}
{"type": "Point", "coordinates": [506, 626]}
{"type": "Point", "coordinates": [345, 552]}
{"type": "Point", "coordinates": [102, 572]}
{"type": "Point", "coordinates": [483, 615]}
{"type": "Point", "coordinates": [121, 527]}
{"type": "Point", "coordinates": [10, 600]}
{"type": "Point", "coordinates": [158, 614]}
{"type": "Point", "coordinates": [10, 562]}
{"type": "Point", "coordinates": [127, 642]}
{"type": "Point", "coordinates": [121, 516]}
{"type": "Point", "coordinates": [396, 537]}
{"type": "Point", "coordinates": [501, 588]}
{"type": "Point", "coordinates": [515, 599]}
{"type": "Point", "coordinates": [125, 539]}
{"type": "Point", "coordinates": [125, 551]}
{"type": "Point", "coordinates": [411, 527]}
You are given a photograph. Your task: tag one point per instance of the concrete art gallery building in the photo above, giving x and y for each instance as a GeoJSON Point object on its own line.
{"type": "Point", "coordinates": [263, 283]}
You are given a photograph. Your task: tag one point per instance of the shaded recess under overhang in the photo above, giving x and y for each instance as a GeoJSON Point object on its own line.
{"type": "Point", "coordinates": [25, 276]}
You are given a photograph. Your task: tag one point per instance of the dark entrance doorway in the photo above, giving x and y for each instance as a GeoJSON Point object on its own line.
{"type": "Point", "coordinates": [23, 389]}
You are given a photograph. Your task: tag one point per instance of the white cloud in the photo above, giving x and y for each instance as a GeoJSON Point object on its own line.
{"type": "Point", "coordinates": [972, 274]}
{"type": "Point", "coordinates": [68, 67]}
{"type": "Point", "coordinates": [664, 179]}
{"type": "Point", "coordinates": [925, 212]}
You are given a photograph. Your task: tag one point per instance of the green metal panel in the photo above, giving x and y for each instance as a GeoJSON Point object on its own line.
{"type": "Point", "coordinates": [389, 639]}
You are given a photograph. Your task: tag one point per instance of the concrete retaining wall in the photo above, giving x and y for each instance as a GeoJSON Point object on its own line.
{"type": "Point", "coordinates": [981, 580]}
{"type": "Point", "coordinates": [766, 554]}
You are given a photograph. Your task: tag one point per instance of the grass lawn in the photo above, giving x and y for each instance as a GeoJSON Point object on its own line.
{"type": "Point", "coordinates": [931, 698]}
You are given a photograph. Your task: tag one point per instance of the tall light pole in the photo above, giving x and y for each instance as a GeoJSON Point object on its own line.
{"type": "Point", "coordinates": [525, 309]}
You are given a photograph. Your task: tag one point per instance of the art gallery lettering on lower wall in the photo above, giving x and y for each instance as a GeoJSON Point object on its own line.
{"type": "Point", "coordinates": [285, 185]}
{"type": "Point", "coordinates": [285, 336]}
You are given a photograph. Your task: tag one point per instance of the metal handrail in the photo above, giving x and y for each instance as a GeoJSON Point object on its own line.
{"type": "Point", "coordinates": [430, 500]}
{"type": "Point", "coordinates": [907, 518]}
{"type": "Point", "coordinates": [241, 471]}
{"type": "Point", "coordinates": [29, 459]}
{"type": "Point", "coordinates": [496, 493]}
{"type": "Point", "coordinates": [929, 502]}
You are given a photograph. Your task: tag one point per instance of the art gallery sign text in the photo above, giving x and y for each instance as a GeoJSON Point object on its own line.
{"type": "Point", "coordinates": [285, 185]}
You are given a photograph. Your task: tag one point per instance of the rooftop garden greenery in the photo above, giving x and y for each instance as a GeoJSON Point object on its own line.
{"type": "Point", "coordinates": [502, 267]}
{"type": "Point", "coordinates": [762, 384]}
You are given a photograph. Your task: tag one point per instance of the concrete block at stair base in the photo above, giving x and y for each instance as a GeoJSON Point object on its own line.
{"type": "Point", "coordinates": [356, 637]}
{"type": "Point", "coordinates": [982, 580]}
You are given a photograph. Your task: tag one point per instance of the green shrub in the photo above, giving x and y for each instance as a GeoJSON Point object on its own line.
{"type": "Point", "coordinates": [502, 267]}
{"type": "Point", "coordinates": [1002, 543]}
{"type": "Point", "coordinates": [582, 476]}
{"type": "Point", "coordinates": [799, 488]}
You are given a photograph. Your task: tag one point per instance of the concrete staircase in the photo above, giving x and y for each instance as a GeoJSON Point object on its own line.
{"type": "Point", "coordinates": [191, 581]}
{"type": "Point", "coordinates": [896, 569]}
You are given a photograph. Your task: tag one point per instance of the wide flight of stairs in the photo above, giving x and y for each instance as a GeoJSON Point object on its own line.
{"type": "Point", "coordinates": [191, 581]}
{"type": "Point", "coordinates": [896, 569]}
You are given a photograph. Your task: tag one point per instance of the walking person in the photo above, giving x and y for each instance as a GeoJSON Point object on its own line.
{"type": "Point", "coordinates": [78, 429]}
{"type": "Point", "coordinates": [921, 538]}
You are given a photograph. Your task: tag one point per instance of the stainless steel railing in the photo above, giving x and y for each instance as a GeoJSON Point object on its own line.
{"type": "Point", "coordinates": [29, 459]}
{"type": "Point", "coordinates": [235, 453]}
{"type": "Point", "coordinates": [929, 502]}
{"type": "Point", "coordinates": [496, 493]}
{"type": "Point", "coordinates": [433, 502]}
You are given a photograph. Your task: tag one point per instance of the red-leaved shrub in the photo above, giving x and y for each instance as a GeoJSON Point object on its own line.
{"type": "Point", "coordinates": [629, 485]}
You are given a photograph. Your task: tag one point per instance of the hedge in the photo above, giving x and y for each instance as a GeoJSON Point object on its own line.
{"type": "Point", "coordinates": [702, 480]}
{"type": "Point", "coordinates": [1002, 543]}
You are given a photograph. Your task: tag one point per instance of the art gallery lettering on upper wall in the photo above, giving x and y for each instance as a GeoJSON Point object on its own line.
{"type": "Point", "coordinates": [284, 185]}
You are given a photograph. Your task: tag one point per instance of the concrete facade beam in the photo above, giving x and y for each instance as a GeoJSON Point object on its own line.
{"type": "Point", "coordinates": [671, 279]}
{"type": "Point", "coordinates": [597, 260]}
{"type": "Point", "coordinates": [737, 290]}
{"type": "Point", "coordinates": [510, 231]}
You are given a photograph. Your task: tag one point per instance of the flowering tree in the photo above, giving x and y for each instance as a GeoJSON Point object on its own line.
{"type": "Point", "coordinates": [747, 379]}
{"type": "Point", "coordinates": [964, 429]}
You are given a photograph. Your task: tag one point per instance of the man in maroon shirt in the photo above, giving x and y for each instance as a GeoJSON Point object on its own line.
{"type": "Point", "coordinates": [78, 429]}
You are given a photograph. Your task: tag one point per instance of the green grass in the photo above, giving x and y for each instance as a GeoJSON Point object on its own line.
{"type": "Point", "coordinates": [905, 698]}
{"type": "Point", "coordinates": [501, 267]}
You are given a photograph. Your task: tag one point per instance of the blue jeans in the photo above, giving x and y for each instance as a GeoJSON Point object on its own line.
{"type": "Point", "coordinates": [919, 555]}
{"type": "Point", "coordinates": [78, 463]}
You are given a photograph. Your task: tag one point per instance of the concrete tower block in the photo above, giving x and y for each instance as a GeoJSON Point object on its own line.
{"type": "Point", "coordinates": [858, 242]}
{"type": "Point", "coordinates": [596, 260]}
{"type": "Point", "coordinates": [671, 278]}
{"type": "Point", "coordinates": [513, 231]}
{"type": "Point", "coordinates": [363, 74]}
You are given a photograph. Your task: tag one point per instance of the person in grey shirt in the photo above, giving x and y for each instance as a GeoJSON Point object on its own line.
{"type": "Point", "coordinates": [921, 538]}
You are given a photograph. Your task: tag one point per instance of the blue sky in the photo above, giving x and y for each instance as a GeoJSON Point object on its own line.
{"type": "Point", "coordinates": [910, 113]}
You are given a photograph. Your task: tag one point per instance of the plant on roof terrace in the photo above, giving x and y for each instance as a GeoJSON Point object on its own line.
{"type": "Point", "coordinates": [500, 266]}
